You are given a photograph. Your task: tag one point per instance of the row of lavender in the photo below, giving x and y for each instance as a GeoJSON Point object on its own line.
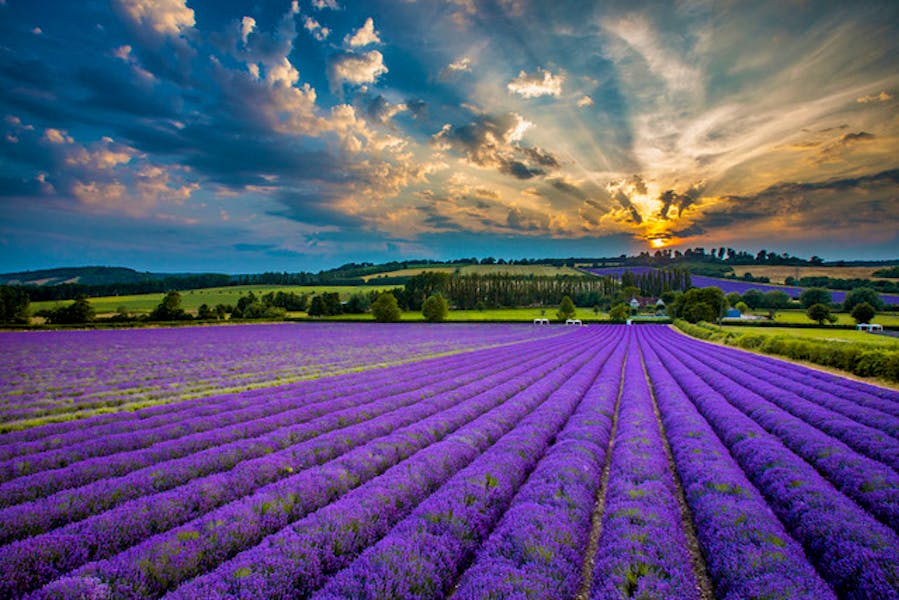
{"type": "Point", "coordinates": [692, 466]}
{"type": "Point", "coordinates": [51, 372]}
{"type": "Point", "coordinates": [396, 412]}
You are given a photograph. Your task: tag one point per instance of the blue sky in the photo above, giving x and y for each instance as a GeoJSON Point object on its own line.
{"type": "Point", "coordinates": [177, 135]}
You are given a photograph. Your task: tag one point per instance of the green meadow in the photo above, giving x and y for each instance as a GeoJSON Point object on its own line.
{"type": "Point", "coordinates": [192, 299]}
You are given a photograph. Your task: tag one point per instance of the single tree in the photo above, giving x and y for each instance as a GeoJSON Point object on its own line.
{"type": "Point", "coordinates": [733, 299]}
{"type": "Point", "coordinates": [79, 311]}
{"type": "Point", "coordinates": [860, 295]}
{"type": "Point", "coordinates": [566, 309]}
{"type": "Point", "coordinates": [386, 309]}
{"type": "Point", "coordinates": [819, 313]}
{"type": "Point", "coordinates": [753, 298]}
{"type": "Point", "coordinates": [620, 312]}
{"type": "Point", "coordinates": [863, 313]}
{"type": "Point", "coordinates": [435, 308]}
{"type": "Point", "coordinates": [317, 307]}
{"type": "Point", "coordinates": [776, 299]}
{"type": "Point", "coordinates": [169, 309]}
{"type": "Point", "coordinates": [14, 304]}
{"type": "Point", "coordinates": [205, 313]}
{"type": "Point", "coordinates": [700, 304]}
{"type": "Point", "coordinates": [742, 307]}
{"type": "Point", "coordinates": [811, 296]}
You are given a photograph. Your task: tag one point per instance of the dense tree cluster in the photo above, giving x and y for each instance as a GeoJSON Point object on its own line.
{"type": "Point", "coordinates": [14, 305]}
{"type": "Point", "coordinates": [479, 291]}
{"type": "Point", "coordinates": [699, 304]}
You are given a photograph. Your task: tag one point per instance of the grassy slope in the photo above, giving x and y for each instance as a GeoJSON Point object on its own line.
{"type": "Point", "coordinates": [823, 333]}
{"type": "Point", "coordinates": [798, 316]}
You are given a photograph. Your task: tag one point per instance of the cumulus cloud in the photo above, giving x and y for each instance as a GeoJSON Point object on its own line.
{"type": "Point", "coordinates": [462, 65]}
{"type": "Point", "coordinates": [103, 155]}
{"type": "Point", "coordinates": [585, 101]}
{"type": "Point", "coordinates": [881, 97]}
{"type": "Point", "coordinates": [363, 36]}
{"type": "Point", "coordinates": [125, 54]}
{"type": "Point", "coordinates": [314, 27]}
{"type": "Point", "coordinates": [57, 136]}
{"type": "Point", "coordinates": [356, 69]}
{"type": "Point", "coordinates": [322, 4]}
{"type": "Point", "coordinates": [247, 25]}
{"type": "Point", "coordinates": [539, 83]}
{"type": "Point", "coordinates": [165, 17]}
{"type": "Point", "coordinates": [282, 73]}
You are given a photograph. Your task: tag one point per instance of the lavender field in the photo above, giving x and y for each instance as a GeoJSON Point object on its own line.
{"type": "Point", "coordinates": [413, 461]}
{"type": "Point", "coordinates": [734, 285]}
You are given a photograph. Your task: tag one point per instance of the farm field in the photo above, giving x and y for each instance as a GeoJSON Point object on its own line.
{"type": "Point", "coordinates": [539, 270]}
{"type": "Point", "coordinates": [544, 462]}
{"type": "Point", "coordinates": [779, 273]}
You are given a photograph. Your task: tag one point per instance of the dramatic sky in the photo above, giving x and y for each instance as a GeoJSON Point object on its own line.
{"type": "Point", "coordinates": [176, 135]}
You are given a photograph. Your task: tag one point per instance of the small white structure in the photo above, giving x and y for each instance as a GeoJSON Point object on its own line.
{"type": "Point", "coordinates": [539, 321]}
{"type": "Point", "coordinates": [573, 322]}
{"type": "Point", "coordinates": [634, 303]}
{"type": "Point", "coordinates": [869, 327]}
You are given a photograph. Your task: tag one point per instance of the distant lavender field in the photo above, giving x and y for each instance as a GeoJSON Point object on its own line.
{"type": "Point", "coordinates": [732, 285]}
{"type": "Point", "coordinates": [51, 372]}
{"type": "Point", "coordinates": [608, 461]}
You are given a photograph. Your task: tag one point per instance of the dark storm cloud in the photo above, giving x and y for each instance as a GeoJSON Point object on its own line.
{"type": "Point", "coordinates": [490, 141]}
{"type": "Point", "coordinates": [117, 89]}
{"type": "Point", "coordinates": [380, 110]}
{"type": "Point", "coordinates": [821, 206]}
{"type": "Point", "coordinates": [518, 169]}
{"type": "Point", "coordinates": [418, 107]}
{"type": "Point", "coordinates": [567, 188]}
{"type": "Point", "coordinates": [639, 184]}
{"type": "Point", "coordinates": [681, 202]}
{"type": "Point", "coordinates": [312, 207]}
{"type": "Point", "coordinates": [519, 220]}
{"type": "Point", "coordinates": [626, 203]}
{"type": "Point", "coordinates": [540, 157]}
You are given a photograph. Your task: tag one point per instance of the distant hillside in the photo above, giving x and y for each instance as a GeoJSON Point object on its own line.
{"type": "Point", "coordinates": [79, 275]}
